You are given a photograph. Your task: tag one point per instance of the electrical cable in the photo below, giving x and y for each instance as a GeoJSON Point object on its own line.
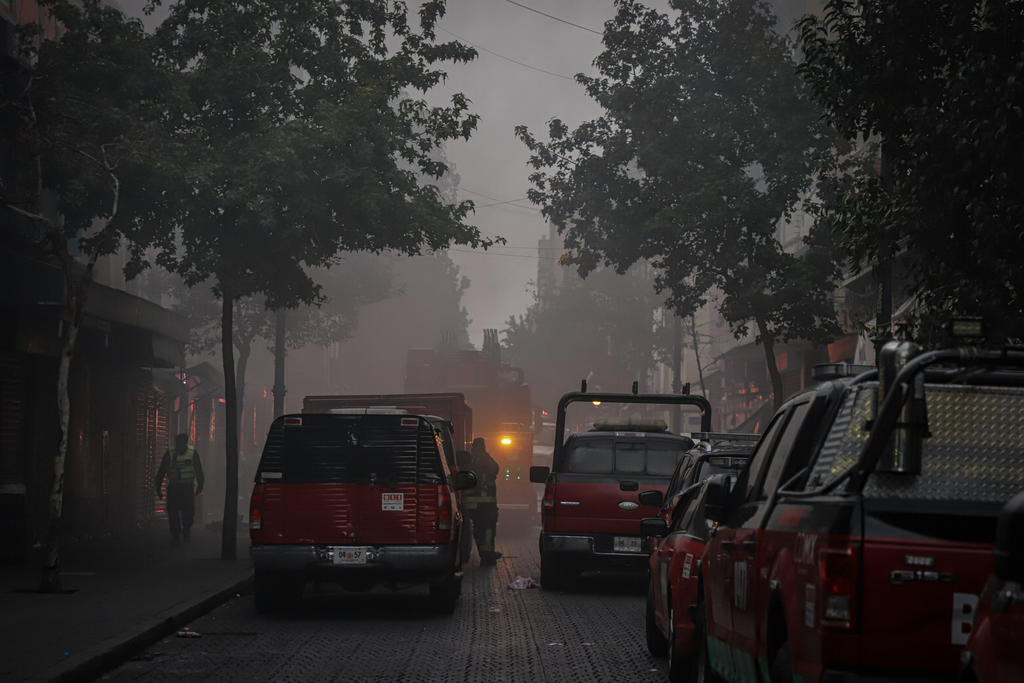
{"type": "Point", "coordinates": [488, 253]}
{"type": "Point", "coordinates": [497, 54]}
{"type": "Point", "coordinates": [551, 16]}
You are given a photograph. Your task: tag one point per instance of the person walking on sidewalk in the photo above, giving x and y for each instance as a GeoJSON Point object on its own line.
{"type": "Point", "coordinates": [481, 502]}
{"type": "Point", "coordinates": [184, 475]}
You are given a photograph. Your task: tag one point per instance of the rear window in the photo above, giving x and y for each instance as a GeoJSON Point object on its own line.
{"type": "Point", "coordinates": [352, 449]}
{"type": "Point", "coordinates": [651, 457]}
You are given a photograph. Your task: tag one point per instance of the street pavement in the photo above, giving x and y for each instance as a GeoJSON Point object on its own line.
{"type": "Point", "coordinates": [120, 597]}
{"type": "Point", "coordinates": [591, 632]}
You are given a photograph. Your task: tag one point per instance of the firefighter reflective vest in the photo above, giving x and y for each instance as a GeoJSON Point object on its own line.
{"type": "Point", "coordinates": [182, 466]}
{"type": "Point", "coordinates": [485, 491]}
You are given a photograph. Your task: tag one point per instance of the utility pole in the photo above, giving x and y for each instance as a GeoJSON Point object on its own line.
{"type": "Point", "coordinates": [279, 353]}
{"type": "Point", "coordinates": [883, 270]}
{"type": "Point", "coordinates": [677, 370]}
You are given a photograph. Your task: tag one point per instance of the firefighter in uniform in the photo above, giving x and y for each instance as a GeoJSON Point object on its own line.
{"type": "Point", "coordinates": [481, 502]}
{"type": "Point", "coordinates": [184, 480]}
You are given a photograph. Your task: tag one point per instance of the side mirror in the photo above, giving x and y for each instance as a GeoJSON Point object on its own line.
{"type": "Point", "coordinates": [462, 459]}
{"type": "Point", "coordinates": [1009, 550]}
{"type": "Point", "coordinates": [628, 486]}
{"type": "Point", "coordinates": [539, 474]}
{"type": "Point", "coordinates": [653, 526]}
{"type": "Point", "coordinates": [718, 498]}
{"type": "Point", "coordinates": [652, 498]}
{"type": "Point", "coordinates": [464, 479]}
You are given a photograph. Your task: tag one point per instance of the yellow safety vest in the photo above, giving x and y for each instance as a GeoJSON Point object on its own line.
{"type": "Point", "coordinates": [182, 466]}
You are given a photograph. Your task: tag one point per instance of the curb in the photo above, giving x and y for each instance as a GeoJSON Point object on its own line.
{"type": "Point", "coordinates": [114, 654]}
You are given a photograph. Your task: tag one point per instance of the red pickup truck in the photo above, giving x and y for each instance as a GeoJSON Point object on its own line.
{"type": "Point", "coordinates": [856, 544]}
{"type": "Point", "coordinates": [590, 512]}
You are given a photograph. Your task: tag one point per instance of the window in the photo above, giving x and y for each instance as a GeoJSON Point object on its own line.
{"type": "Point", "coordinates": [750, 476]}
{"type": "Point", "coordinates": [593, 456]}
{"type": "Point", "coordinates": [786, 441]}
{"type": "Point", "coordinates": [656, 458]}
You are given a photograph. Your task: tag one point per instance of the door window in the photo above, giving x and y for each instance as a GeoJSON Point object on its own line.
{"type": "Point", "coordinates": [761, 454]}
{"type": "Point", "coordinates": [782, 451]}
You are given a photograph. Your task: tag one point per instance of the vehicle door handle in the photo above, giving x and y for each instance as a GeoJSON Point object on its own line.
{"type": "Point", "coordinates": [749, 546]}
{"type": "Point", "coordinates": [727, 545]}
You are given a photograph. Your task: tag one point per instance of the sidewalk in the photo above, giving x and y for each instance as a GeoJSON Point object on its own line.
{"type": "Point", "coordinates": [124, 597]}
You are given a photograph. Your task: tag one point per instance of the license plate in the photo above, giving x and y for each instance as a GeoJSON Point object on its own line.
{"type": "Point", "coordinates": [626, 544]}
{"type": "Point", "coordinates": [392, 501]}
{"type": "Point", "coordinates": [349, 555]}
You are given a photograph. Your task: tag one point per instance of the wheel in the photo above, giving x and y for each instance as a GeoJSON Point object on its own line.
{"type": "Point", "coordinates": [555, 574]}
{"type": "Point", "coordinates": [702, 671]}
{"type": "Point", "coordinates": [681, 667]}
{"type": "Point", "coordinates": [444, 594]}
{"type": "Point", "coordinates": [656, 643]}
{"type": "Point", "coordinates": [273, 592]}
{"type": "Point", "coordinates": [782, 667]}
{"type": "Point", "coordinates": [466, 541]}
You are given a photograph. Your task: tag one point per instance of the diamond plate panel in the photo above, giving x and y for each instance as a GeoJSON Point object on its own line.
{"type": "Point", "coordinates": [975, 451]}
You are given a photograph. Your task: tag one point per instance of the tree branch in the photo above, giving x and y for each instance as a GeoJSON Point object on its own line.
{"type": "Point", "coordinates": [29, 214]}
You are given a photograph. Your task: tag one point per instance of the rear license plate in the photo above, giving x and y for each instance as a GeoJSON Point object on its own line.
{"type": "Point", "coordinates": [626, 544]}
{"type": "Point", "coordinates": [392, 501]}
{"type": "Point", "coordinates": [349, 555]}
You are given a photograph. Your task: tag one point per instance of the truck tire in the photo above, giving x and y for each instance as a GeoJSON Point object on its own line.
{"type": "Point", "coordinates": [466, 541]}
{"type": "Point", "coordinates": [657, 645]}
{"type": "Point", "coordinates": [274, 592]}
{"type": "Point", "coordinates": [444, 594]}
{"type": "Point", "coordinates": [782, 666]}
{"type": "Point", "coordinates": [555, 574]}
{"type": "Point", "coordinates": [680, 667]}
{"type": "Point", "coordinates": [702, 671]}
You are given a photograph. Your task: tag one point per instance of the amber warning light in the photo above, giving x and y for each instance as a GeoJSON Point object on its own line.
{"type": "Point", "coordinates": [506, 441]}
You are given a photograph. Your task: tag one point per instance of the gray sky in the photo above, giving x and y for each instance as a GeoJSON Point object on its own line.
{"type": "Point", "coordinates": [505, 94]}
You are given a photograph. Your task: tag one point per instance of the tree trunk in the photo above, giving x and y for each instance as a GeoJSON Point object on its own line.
{"type": "Point", "coordinates": [50, 581]}
{"type": "Point", "coordinates": [696, 353]}
{"type": "Point", "coordinates": [280, 326]}
{"type": "Point", "coordinates": [677, 371]}
{"type": "Point", "coordinates": [768, 344]}
{"type": "Point", "coordinates": [244, 351]}
{"type": "Point", "coordinates": [230, 523]}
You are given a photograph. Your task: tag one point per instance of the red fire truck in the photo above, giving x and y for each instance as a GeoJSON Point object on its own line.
{"type": "Point", "coordinates": [501, 404]}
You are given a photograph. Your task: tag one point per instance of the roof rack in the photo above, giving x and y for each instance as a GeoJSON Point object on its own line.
{"type": "Point", "coordinates": [614, 424]}
{"type": "Point", "coordinates": [827, 371]}
{"type": "Point", "coordinates": [724, 436]}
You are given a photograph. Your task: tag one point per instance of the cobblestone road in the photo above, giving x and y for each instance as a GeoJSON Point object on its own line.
{"type": "Point", "coordinates": [591, 633]}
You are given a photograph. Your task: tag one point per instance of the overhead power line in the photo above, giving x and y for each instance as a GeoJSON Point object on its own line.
{"type": "Point", "coordinates": [505, 57]}
{"type": "Point", "coordinates": [551, 16]}
{"type": "Point", "coordinates": [500, 202]}
{"type": "Point", "coordinates": [491, 253]}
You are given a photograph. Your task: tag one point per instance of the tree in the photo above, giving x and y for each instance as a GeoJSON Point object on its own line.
{"type": "Point", "coordinates": [946, 199]}
{"type": "Point", "coordinates": [708, 143]}
{"type": "Point", "coordinates": [300, 134]}
{"type": "Point", "coordinates": [82, 107]}
{"type": "Point", "coordinates": [604, 328]}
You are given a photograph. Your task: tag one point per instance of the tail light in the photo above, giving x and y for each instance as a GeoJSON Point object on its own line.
{"type": "Point", "coordinates": [837, 567]}
{"type": "Point", "coordinates": [444, 508]}
{"type": "Point", "coordinates": [256, 508]}
{"type": "Point", "coordinates": [548, 501]}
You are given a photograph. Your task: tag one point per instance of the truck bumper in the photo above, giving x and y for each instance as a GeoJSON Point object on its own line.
{"type": "Point", "coordinates": [589, 550]}
{"type": "Point", "coordinates": [391, 561]}
{"type": "Point", "coordinates": [833, 676]}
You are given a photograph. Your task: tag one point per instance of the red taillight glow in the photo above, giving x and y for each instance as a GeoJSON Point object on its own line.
{"type": "Point", "coordinates": [444, 508]}
{"type": "Point", "coordinates": [256, 509]}
{"type": "Point", "coordinates": [837, 569]}
{"type": "Point", "coordinates": [548, 502]}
